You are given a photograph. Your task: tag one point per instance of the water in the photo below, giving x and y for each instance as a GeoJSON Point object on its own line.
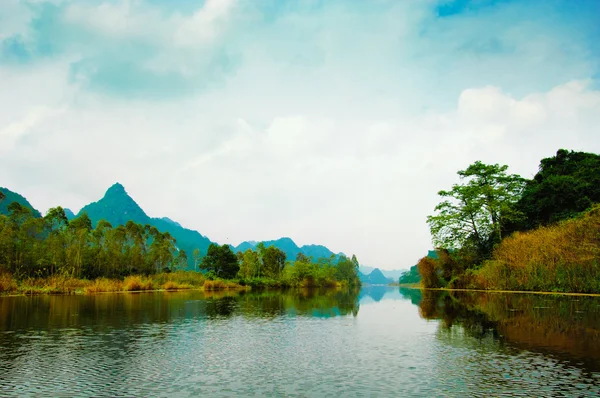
{"type": "Point", "coordinates": [381, 341]}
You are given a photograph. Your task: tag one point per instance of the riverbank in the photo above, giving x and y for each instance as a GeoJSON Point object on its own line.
{"type": "Point", "coordinates": [447, 289]}
{"type": "Point", "coordinates": [181, 280]}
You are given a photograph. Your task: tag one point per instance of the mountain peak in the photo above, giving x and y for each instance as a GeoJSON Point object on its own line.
{"type": "Point", "coordinates": [116, 189]}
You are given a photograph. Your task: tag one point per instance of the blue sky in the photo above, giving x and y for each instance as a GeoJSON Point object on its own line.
{"type": "Point", "coordinates": [332, 122]}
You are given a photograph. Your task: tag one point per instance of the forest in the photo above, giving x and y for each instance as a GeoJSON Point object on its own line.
{"type": "Point", "coordinates": [38, 251]}
{"type": "Point", "coordinates": [495, 230]}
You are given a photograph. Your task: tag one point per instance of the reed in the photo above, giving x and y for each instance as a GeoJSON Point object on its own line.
{"type": "Point", "coordinates": [219, 284]}
{"type": "Point", "coordinates": [102, 285]}
{"type": "Point", "coordinates": [171, 285]}
{"type": "Point", "coordinates": [137, 283]}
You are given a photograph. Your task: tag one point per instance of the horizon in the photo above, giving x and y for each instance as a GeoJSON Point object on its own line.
{"type": "Point", "coordinates": [331, 123]}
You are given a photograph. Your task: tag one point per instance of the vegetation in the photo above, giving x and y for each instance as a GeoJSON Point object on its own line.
{"type": "Point", "coordinates": [52, 254]}
{"type": "Point", "coordinates": [498, 231]}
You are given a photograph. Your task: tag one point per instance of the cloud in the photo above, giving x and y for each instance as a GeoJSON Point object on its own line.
{"type": "Point", "coordinates": [330, 122]}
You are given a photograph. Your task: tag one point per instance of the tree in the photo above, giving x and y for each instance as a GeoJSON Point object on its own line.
{"type": "Point", "coordinates": [347, 270]}
{"type": "Point", "coordinates": [249, 264]}
{"type": "Point", "coordinates": [196, 255]}
{"type": "Point", "coordinates": [2, 196]}
{"type": "Point", "coordinates": [221, 260]}
{"type": "Point", "coordinates": [273, 260]}
{"type": "Point", "coordinates": [474, 211]}
{"type": "Point", "coordinates": [565, 185]}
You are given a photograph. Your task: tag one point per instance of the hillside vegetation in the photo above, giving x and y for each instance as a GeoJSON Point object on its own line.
{"type": "Point", "coordinates": [500, 231]}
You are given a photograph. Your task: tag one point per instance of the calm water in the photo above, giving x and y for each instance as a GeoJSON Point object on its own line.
{"type": "Point", "coordinates": [381, 341]}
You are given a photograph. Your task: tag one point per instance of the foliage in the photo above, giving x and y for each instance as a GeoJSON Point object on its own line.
{"type": "Point", "coordinates": [429, 272]}
{"type": "Point", "coordinates": [563, 257]}
{"type": "Point", "coordinates": [7, 197]}
{"type": "Point", "coordinates": [52, 245]}
{"type": "Point", "coordinates": [566, 184]}
{"type": "Point", "coordinates": [221, 261]}
{"type": "Point", "coordinates": [473, 212]}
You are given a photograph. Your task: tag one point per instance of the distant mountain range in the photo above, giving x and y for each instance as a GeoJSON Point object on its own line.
{"type": "Point", "coordinates": [290, 248]}
{"type": "Point", "coordinates": [117, 207]}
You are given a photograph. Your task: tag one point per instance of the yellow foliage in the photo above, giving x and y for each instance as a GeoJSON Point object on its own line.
{"type": "Point", "coordinates": [561, 257]}
{"type": "Point", "coordinates": [137, 283]}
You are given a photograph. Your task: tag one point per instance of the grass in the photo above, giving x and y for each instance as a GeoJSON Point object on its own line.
{"type": "Point", "coordinates": [180, 280]}
{"type": "Point", "coordinates": [560, 258]}
{"type": "Point", "coordinates": [136, 283]}
{"type": "Point", "coordinates": [102, 285]}
{"type": "Point", "coordinates": [219, 284]}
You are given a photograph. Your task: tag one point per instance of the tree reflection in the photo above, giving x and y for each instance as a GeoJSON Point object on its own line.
{"type": "Point", "coordinates": [565, 326]}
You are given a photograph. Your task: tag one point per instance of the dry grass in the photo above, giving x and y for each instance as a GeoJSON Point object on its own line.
{"type": "Point", "coordinates": [170, 285]}
{"type": "Point", "coordinates": [8, 284]}
{"type": "Point", "coordinates": [102, 285]}
{"type": "Point", "coordinates": [184, 278]}
{"type": "Point", "coordinates": [136, 283]}
{"type": "Point", "coordinates": [222, 285]}
{"type": "Point", "coordinates": [564, 257]}
{"type": "Point", "coordinates": [53, 285]}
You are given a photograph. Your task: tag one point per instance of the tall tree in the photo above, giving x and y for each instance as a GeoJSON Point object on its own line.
{"type": "Point", "coordinates": [474, 210]}
{"type": "Point", "coordinates": [221, 261]}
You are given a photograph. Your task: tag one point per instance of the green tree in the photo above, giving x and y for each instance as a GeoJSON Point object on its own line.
{"type": "Point", "coordinates": [474, 211]}
{"type": "Point", "coordinates": [196, 255]}
{"type": "Point", "coordinates": [273, 261]}
{"type": "Point", "coordinates": [249, 264]}
{"type": "Point", "coordinates": [565, 185]}
{"type": "Point", "coordinates": [221, 261]}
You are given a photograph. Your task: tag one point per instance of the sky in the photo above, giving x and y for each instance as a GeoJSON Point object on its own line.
{"type": "Point", "coordinates": [331, 122]}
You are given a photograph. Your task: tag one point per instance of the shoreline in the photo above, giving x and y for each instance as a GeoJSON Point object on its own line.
{"type": "Point", "coordinates": [497, 291]}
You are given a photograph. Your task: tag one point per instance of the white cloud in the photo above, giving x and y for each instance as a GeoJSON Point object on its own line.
{"type": "Point", "coordinates": [337, 128]}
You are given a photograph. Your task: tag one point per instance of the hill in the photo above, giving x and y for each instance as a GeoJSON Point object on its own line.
{"type": "Point", "coordinates": [117, 207]}
{"type": "Point", "coordinates": [290, 248]}
{"type": "Point", "coordinates": [390, 274]}
{"type": "Point", "coordinates": [376, 277]}
{"type": "Point", "coordinates": [10, 197]}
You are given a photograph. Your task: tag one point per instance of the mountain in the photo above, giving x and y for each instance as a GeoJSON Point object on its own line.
{"type": "Point", "coordinates": [242, 247]}
{"type": "Point", "coordinates": [117, 207]}
{"type": "Point", "coordinates": [69, 213]}
{"type": "Point", "coordinates": [290, 248]}
{"type": "Point", "coordinates": [390, 274]}
{"type": "Point", "coordinates": [11, 197]}
{"type": "Point", "coordinates": [376, 277]}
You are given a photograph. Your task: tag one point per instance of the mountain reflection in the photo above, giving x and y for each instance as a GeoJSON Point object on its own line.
{"type": "Point", "coordinates": [567, 327]}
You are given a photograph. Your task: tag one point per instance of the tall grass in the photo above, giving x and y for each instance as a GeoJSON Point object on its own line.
{"type": "Point", "coordinates": [136, 283]}
{"type": "Point", "coordinates": [8, 284]}
{"type": "Point", "coordinates": [564, 257]}
{"type": "Point", "coordinates": [219, 284]}
{"type": "Point", "coordinates": [101, 285]}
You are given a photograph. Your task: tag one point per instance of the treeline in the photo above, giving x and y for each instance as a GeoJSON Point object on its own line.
{"type": "Point", "coordinates": [495, 230]}
{"type": "Point", "coordinates": [269, 266]}
{"type": "Point", "coordinates": [50, 245]}
{"type": "Point", "coordinates": [41, 247]}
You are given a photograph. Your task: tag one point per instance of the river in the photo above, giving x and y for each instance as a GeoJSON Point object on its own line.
{"type": "Point", "coordinates": [380, 341]}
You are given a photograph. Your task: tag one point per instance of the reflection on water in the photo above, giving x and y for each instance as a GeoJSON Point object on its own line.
{"type": "Point", "coordinates": [299, 343]}
{"type": "Point", "coordinates": [565, 327]}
